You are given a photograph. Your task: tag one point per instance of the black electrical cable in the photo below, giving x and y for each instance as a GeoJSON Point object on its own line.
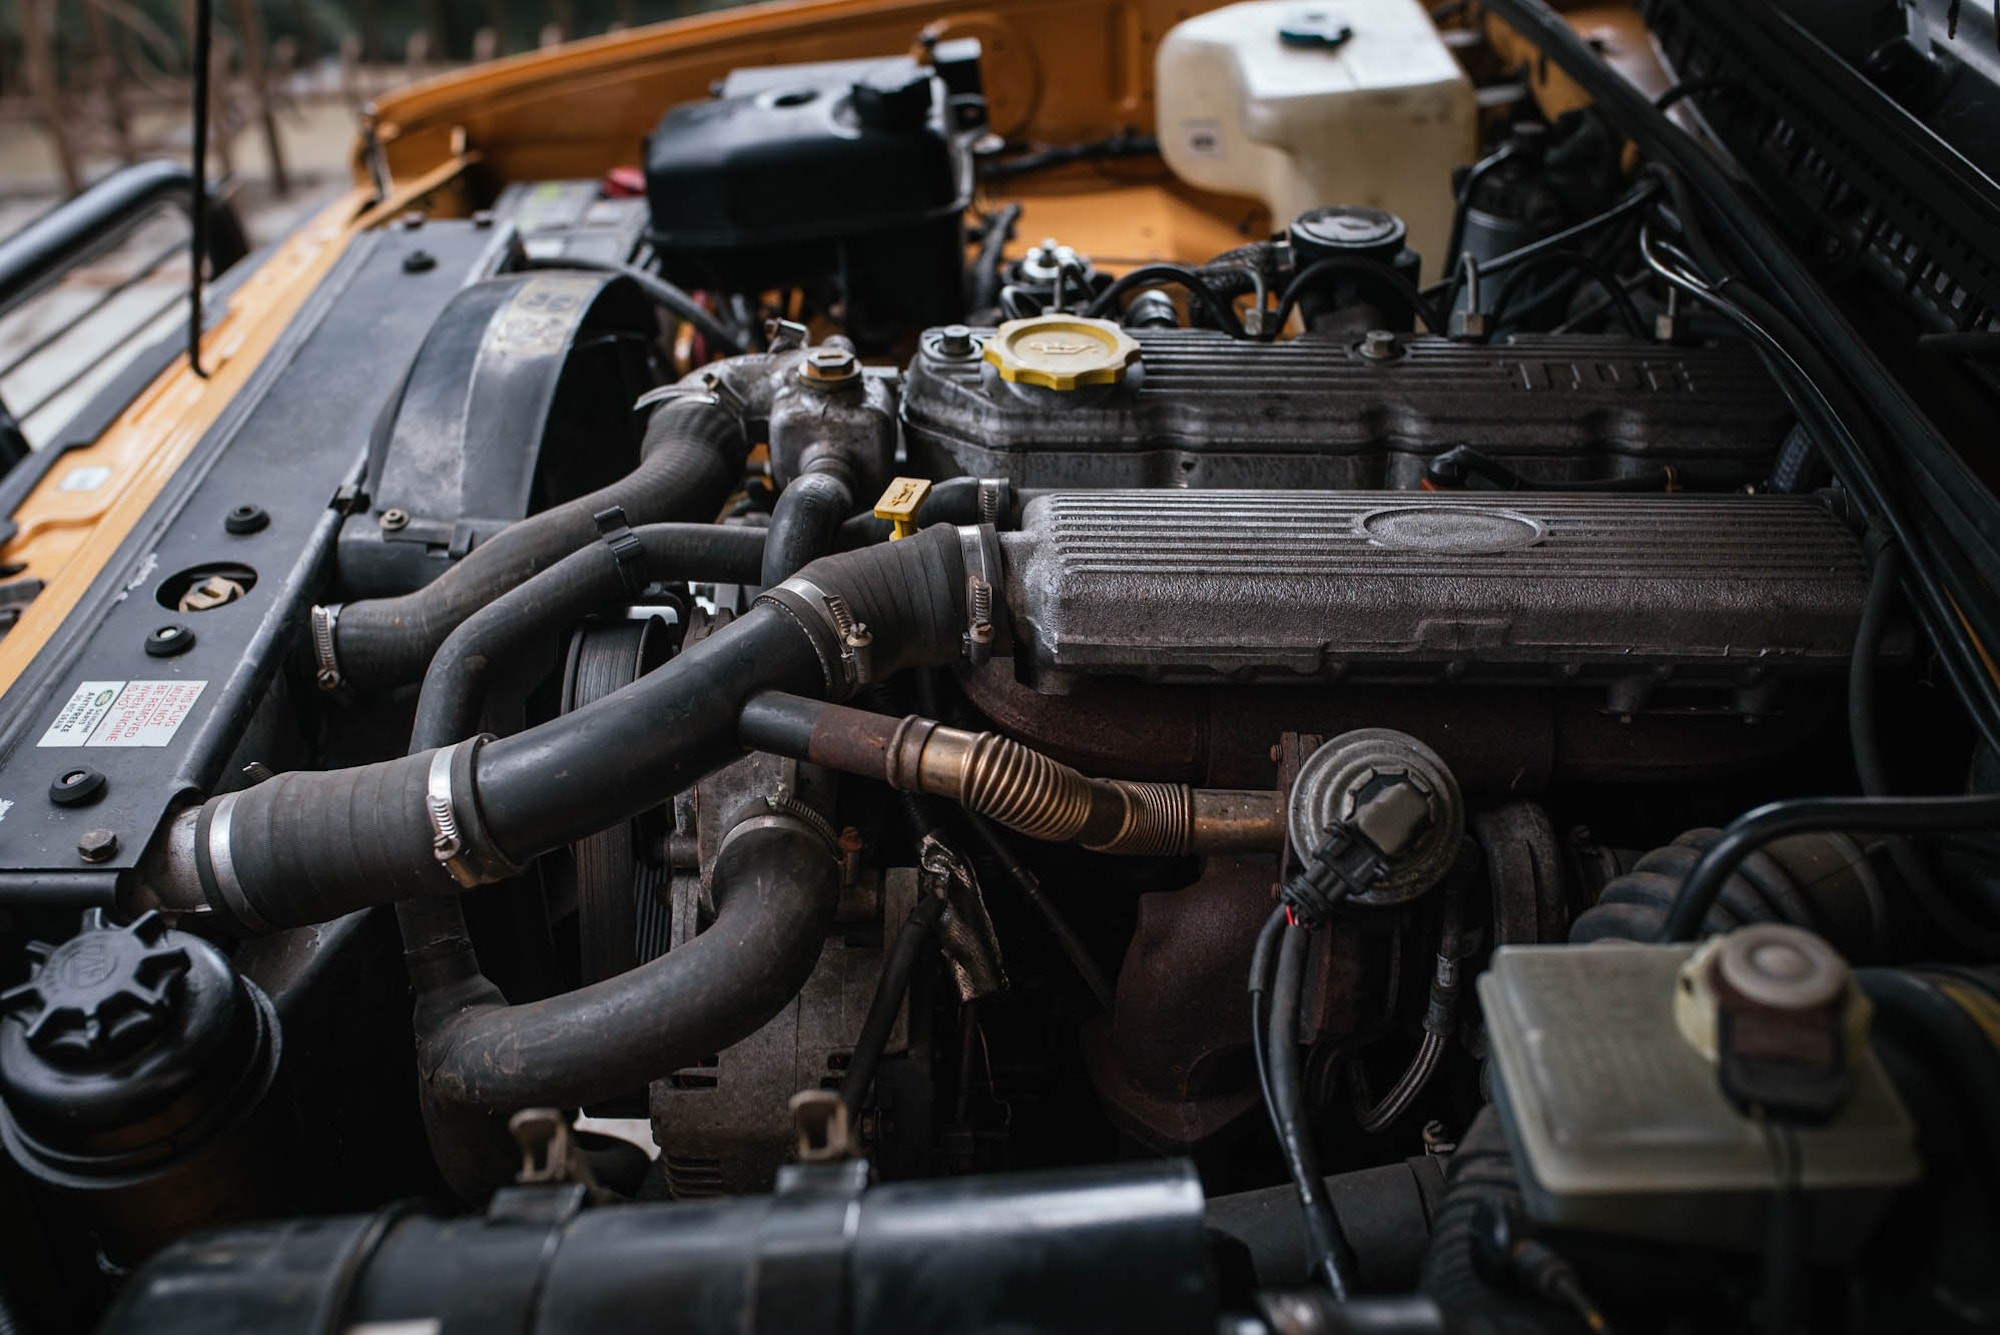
{"type": "Point", "coordinates": [1964, 615]}
{"type": "Point", "coordinates": [1865, 741]}
{"type": "Point", "coordinates": [1333, 1258]}
{"type": "Point", "coordinates": [1806, 815]}
{"type": "Point", "coordinates": [1014, 303]}
{"type": "Point", "coordinates": [204, 37]}
{"type": "Point", "coordinates": [1597, 307]}
{"type": "Point", "coordinates": [1637, 198]}
{"type": "Point", "coordinates": [1060, 293]}
{"type": "Point", "coordinates": [1450, 470]}
{"type": "Point", "coordinates": [992, 257]}
{"type": "Point", "coordinates": [1784, 1233]}
{"type": "Point", "coordinates": [1686, 88]}
{"type": "Point", "coordinates": [1812, 397]}
{"type": "Point", "coordinates": [1589, 267]}
{"type": "Point", "coordinates": [663, 293]}
{"type": "Point", "coordinates": [897, 970]}
{"type": "Point", "coordinates": [1816, 407]}
{"type": "Point", "coordinates": [1861, 734]}
{"type": "Point", "coordinates": [1915, 1013]}
{"type": "Point", "coordinates": [1349, 266]}
{"type": "Point", "coordinates": [1059, 927]}
{"type": "Point", "coordinates": [1473, 176]}
{"type": "Point", "coordinates": [1263, 963]}
{"type": "Point", "coordinates": [1160, 275]}
{"type": "Point", "coordinates": [1061, 155]}
{"type": "Point", "coordinates": [1966, 342]}
{"type": "Point", "coordinates": [1944, 614]}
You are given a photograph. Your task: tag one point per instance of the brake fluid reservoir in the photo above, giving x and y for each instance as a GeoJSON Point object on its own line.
{"type": "Point", "coordinates": [1303, 104]}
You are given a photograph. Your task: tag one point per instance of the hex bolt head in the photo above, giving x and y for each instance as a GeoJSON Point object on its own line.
{"type": "Point", "coordinates": [97, 846]}
{"type": "Point", "coordinates": [77, 787]}
{"type": "Point", "coordinates": [419, 261]}
{"type": "Point", "coordinates": [169, 640]}
{"type": "Point", "coordinates": [245, 519]}
{"type": "Point", "coordinates": [829, 366]}
{"type": "Point", "coordinates": [392, 520]}
{"type": "Point", "coordinates": [1380, 345]}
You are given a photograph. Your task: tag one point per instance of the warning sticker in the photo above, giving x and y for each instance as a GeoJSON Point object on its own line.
{"type": "Point", "coordinates": [80, 715]}
{"type": "Point", "coordinates": [123, 713]}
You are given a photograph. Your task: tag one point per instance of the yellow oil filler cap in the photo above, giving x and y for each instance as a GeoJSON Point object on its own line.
{"type": "Point", "coordinates": [1061, 351]}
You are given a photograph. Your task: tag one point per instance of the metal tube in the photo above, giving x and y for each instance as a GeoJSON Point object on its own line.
{"type": "Point", "coordinates": [1015, 785]}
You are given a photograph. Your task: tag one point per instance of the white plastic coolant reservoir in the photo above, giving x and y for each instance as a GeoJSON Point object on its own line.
{"type": "Point", "coordinates": [1269, 99]}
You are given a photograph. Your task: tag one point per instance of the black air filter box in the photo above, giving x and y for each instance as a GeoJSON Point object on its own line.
{"type": "Point", "coordinates": [851, 176]}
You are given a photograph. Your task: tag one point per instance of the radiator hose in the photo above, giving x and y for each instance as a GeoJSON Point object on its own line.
{"type": "Point", "coordinates": [692, 458]}
{"type": "Point", "coordinates": [306, 847]}
{"type": "Point", "coordinates": [776, 882]}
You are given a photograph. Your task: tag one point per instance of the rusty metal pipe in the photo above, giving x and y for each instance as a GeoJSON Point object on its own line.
{"type": "Point", "coordinates": [1015, 785]}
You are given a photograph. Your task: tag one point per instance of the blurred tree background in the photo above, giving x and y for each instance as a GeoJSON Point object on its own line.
{"type": "Point", "coordinates": [377, 30]}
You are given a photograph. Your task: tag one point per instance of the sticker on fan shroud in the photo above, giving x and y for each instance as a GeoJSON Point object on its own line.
{"type": "Point", "coordinates": [123, 713]}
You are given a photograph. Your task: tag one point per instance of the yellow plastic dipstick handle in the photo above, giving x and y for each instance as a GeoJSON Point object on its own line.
{"type": "Point", "coordinates": [900, 503]}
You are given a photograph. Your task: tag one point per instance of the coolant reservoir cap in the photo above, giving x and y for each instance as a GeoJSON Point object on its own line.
{"type": "Point", "coordinates": [1061, 351]}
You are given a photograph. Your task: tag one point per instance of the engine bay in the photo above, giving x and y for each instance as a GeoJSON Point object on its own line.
{"type": "Point", "coordinates": [745, 743]}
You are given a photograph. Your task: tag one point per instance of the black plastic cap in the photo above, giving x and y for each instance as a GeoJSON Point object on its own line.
{"type": "Point", "coordinates": [246, 519]}
{"type": "Point", "coordinates": [957, 63]}
{"type": "Point", "coordinates": [892, 99]}
{"type": "Point", "coordinates": [102, 994]}
{"type": "Point", "coordinates": [1310, 25]}
{"type": "Point", "coordinates": [77, 787]}
{"type": "Point", "coordinates": [1347, 229]}
{"type": "Point", "coordinates": [126, 1037]}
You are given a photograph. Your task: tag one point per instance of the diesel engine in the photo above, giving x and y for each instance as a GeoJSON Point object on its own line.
{"type": "Point", "coordinates": [822, 747]}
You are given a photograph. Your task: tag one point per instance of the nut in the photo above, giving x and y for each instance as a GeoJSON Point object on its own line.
{"type": "Point", "coordinates": [1380, 345]}
{"type": "Point", "coordinates": [97, 846]}
{"type": "Point", "coordinates": [392, 520]}
{"type": "Point", "coordinates": [829, 366]}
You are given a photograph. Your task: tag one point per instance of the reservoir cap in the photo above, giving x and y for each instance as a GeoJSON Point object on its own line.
{"type": "Point", "coordinates": [1061, 352]}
